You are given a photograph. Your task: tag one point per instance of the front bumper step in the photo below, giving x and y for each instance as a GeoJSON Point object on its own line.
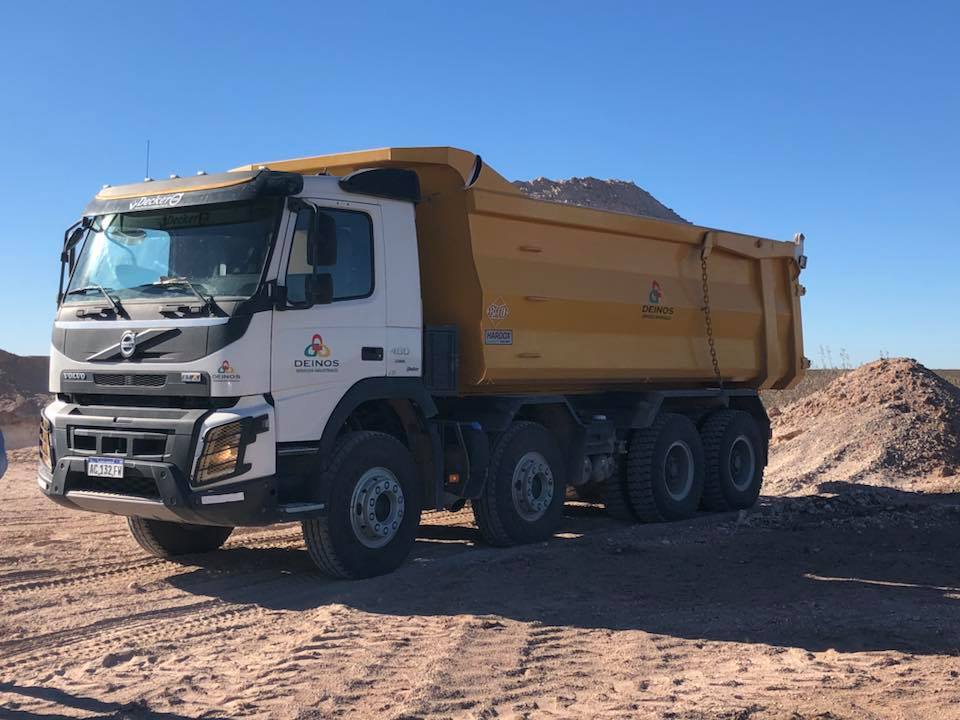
{"type": "Point", "coordinates": [248, 503]}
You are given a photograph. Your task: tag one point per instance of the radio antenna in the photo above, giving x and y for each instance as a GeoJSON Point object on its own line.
{"type": "Point", "coordinates": [146, 172]}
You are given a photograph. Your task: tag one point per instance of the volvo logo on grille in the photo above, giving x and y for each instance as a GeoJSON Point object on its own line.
{"type": "Point", "coordinates": [128, 343]}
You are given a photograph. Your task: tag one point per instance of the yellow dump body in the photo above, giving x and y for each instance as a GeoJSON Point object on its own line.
{"type": "Point", "coordinates": [552, 298]}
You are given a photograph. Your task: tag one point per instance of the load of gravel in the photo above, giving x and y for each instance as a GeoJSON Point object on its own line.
{"type": "Point", "coordinates": [890, 422]}
{"type": "Point", "coordinates": [616, 195]}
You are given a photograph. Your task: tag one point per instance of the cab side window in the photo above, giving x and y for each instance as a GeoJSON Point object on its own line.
{"type": "Point", "coordinates": [352, 273]}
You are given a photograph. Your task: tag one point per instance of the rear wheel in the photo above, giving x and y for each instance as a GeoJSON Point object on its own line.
{"type": "Point", "coordinates": [374, 509]}
{"type": "Point", "coordinates": [616, 497]}
{"type": "Point", "coordinates": [665, 470]}
{"type": "Point", "coordinates": [168, 539]}
{"type": "Point", "coordinates": [523, 498]}
{"type": "Point", "coordinates": [734, 460]}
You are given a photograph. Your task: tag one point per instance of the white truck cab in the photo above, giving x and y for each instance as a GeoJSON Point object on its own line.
{"type": "Point", "coordinates": [206, 336]}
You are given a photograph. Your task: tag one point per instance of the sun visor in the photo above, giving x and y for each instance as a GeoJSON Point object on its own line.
{"type": "Point", "coordinates": [198, 190]}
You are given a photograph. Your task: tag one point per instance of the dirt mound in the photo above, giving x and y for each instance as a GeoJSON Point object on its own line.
{"type": "Point", "coordinates": [890, 422]}
{"type": "Point", "coordinates": [24, 455]}
{"type": "Point", "coordinates": [23, 392]}
{"type": "Point", "coordinates": [615, 195]}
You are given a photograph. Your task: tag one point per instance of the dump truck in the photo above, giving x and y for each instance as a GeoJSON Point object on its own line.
{"type": "Point", "coordinates": [348, 340]}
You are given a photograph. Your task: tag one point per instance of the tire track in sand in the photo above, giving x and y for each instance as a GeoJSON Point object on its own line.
{"type": "Point", "coordinates": [152, 566]}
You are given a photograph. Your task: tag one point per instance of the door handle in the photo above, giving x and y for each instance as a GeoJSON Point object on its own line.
{"type": "Point", "coordinates": [372, 353]}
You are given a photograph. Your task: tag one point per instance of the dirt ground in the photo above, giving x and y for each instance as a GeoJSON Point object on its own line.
{"type": "Point", "coordinates": [803, 608]}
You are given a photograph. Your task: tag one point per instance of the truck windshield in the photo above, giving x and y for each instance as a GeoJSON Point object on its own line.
{"type": "Point", "coordinates": [218, 249]}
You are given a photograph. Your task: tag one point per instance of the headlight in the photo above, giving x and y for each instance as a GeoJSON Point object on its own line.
{"type": "Point", "coordinates": [222, 452]}
{"type": "Point", "coordinates": [46, 454]}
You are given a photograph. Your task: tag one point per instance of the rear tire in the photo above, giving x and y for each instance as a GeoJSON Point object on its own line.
{"type": "Point", "coordinates": [616, 498]}
{"type": "Point", "coordinates": [168, 539]}
{"type": "Point", "coordinates": [373, 511]}
{"type": "Point", "coordinates": [734, 461]}
{"type": "Point", "coordinates": [665, 470]}
{"type": "Point", "coordinates": [522, 500]}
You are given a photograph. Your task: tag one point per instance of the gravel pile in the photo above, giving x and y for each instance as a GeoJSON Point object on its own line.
{"type": "Point", "coordinates": [616, 195]}
{"type": "Point", "coordinates": [23, 393]}
{"type": "Point", "coordinates": [891, 422]}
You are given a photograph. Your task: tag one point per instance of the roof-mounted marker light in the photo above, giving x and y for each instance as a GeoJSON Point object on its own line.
{"type": "Point", "coordinates": [201, 172]}
{"type": "Point", "coordinates": [174, 176]}
{"type": "Point", "coordinates": [148, 179]}
{"type": "Point", "coordinates": [104, 187]}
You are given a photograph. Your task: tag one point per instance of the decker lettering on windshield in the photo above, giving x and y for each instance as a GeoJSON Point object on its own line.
{"type": "Point", "coordinates": [156, 201]}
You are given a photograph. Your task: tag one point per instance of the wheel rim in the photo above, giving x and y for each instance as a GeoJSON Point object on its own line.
{"type": "Point", "coordinates": [678, 470]}
{"type": "Point", "coordinates": [532, 487]}
{"type": "Point", "coordinates": [376, 508]}
{"type": "Point", "coordinates": [742, 463]}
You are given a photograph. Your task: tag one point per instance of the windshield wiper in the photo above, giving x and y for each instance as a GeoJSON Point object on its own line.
{"type": "Point", "coordinates": [184, 282]}
{"type": "Point", "coordinates": [114, 303]}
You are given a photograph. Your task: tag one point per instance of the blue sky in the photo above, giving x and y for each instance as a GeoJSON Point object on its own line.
{"type": "Point", "coordinates": [838, 119]}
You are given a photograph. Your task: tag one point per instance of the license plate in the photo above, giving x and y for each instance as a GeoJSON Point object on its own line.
{"type": "Point", "coordinates": [105, 467]}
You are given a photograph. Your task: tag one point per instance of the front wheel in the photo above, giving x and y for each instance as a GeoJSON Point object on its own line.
{"type": "Point", "coordinates": [167, 539]}
{"type": "Point", "coordinates": [374, 510]}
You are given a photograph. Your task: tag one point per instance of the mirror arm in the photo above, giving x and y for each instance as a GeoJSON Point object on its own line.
{"type": "Point", "coordinates": [71, 237]}
{"type": "Point", "coordinates": [295, 204]}
{"type": "Point", "coordinates": [277, 294]}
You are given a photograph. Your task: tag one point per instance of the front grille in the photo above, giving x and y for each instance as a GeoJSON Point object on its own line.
{"type": "Point", "coordinates": [148, 445]}
{"type": "Point", "coordinates": [130, 379]}
{"type": "Point", "coordinates": [149, 401]}
{"type": "Point", "coordinates": [133, 486]}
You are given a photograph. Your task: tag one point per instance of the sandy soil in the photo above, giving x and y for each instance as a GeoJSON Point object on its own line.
{"type": "Point", "coordinates": [804, 608]}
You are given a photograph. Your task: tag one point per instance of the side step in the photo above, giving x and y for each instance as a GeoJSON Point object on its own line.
{"type": "Point", "coordinates": [298, 508]}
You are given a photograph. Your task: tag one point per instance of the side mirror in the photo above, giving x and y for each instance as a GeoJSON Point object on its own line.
{"type": "Point", "coordinates": [318, 289]}
{"type": "Point", "coordinates": [322, 241]}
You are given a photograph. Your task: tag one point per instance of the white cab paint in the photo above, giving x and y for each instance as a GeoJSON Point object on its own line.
{"type": "Point", "coordinates": [307, 388]}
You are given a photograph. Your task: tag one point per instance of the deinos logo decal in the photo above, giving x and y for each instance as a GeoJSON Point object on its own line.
{"type": "Point", "coordinates": [656, 293]}
{"type": "Point", "coordinates": [317, 356]}
{"type": "Point", "coordinates": [316, 348]}
{"type": "Point", "coordinates": [655, 310]}
{"type": "Point", "coordinates": [226, 373]}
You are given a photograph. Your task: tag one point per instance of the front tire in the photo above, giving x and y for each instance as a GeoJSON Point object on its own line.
{"type": "Point", "coordinates": [522, 500]}
{"type": "Point", "coordinates": [665, 470]}
{"type": "Point", "coordinates": [374, 509]}
{"type": "Point", "coordinates": [169, 539]}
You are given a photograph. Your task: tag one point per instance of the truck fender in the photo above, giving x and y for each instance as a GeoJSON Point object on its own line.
{"type": "Point", "coordinates": [379, 388]}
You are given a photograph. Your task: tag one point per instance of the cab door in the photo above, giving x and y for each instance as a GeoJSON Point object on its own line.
{"type": "Point", "coordinates": [319, 351]}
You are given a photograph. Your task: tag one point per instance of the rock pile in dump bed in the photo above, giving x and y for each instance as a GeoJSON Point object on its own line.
{"type": "Point", "coordinates": [616, 195]}
{"type": "Point", "coordinates": [890, 422]}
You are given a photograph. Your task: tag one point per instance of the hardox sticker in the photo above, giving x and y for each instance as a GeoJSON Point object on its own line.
{"type": "Point", "coordinates": [498, 337]}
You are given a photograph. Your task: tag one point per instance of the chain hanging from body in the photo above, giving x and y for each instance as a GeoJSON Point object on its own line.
{"type": "Point", "coordinates": [706, 316]}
